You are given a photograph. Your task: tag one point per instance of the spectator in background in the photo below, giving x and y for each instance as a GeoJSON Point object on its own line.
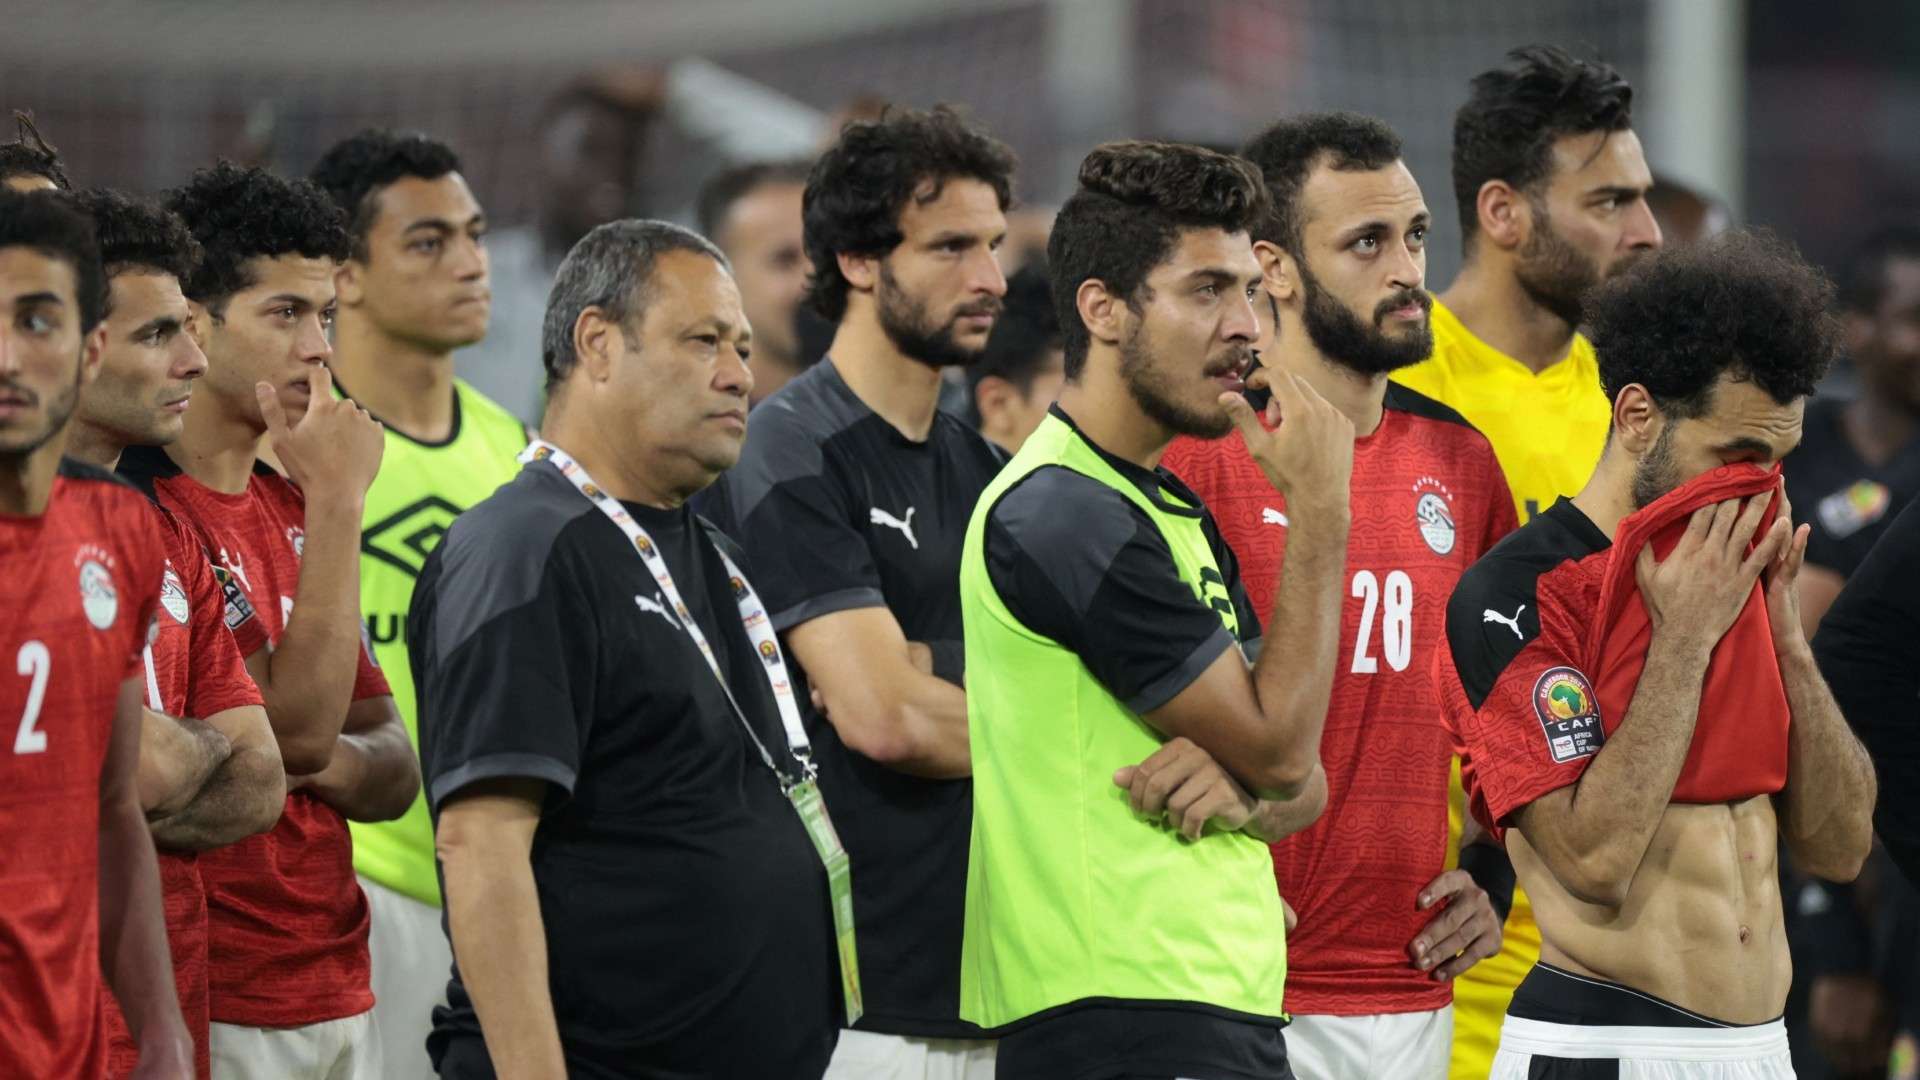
{"type": "Point", "coordinates": [1016, 379]}
{"type": "Point", "coordinates": [1686, 215]}
{"type": "Point", "coordinates": [752, 212]}
{"type": "Point", "coordinates": [412, 290]}
{"type": "Point", "coordinates": [1550, 182]}
{"type": "Point", "coordinates": [29, 162]}
{"type": "Point", "coordinates": [592, 136]}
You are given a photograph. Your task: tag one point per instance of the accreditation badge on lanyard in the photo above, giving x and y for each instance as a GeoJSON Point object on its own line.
{"type": "Point", "coordinates": [798, 782]}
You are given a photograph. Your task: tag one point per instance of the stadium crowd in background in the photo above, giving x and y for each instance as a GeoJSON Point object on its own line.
{"type": "Point", "coordinates": [899, 652]}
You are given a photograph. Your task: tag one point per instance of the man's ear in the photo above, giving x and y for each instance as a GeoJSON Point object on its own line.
{"type": "Point", "coordinates": [597, 343]}
{"type": "Point", "coordinates": [1279, 273]}
{"type": "Point", "coordinates": [1505, 215]}
{"type": "Point", "coordinates": [991, 396]}
{"type": "Point", "coordinates": [1103, 313]}
{"type": "Point", "coordinates": [861, 271]}
{"type": "Point", "coordinates": [91, 350]}
{"type": "Point", "coordinates": [349, 283]}
{"type": "Point", "coordinates": [1637, 421]}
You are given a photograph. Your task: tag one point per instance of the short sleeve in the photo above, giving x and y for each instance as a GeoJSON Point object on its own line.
{"type": "Point", "coordinates": [1244, 615]}
{"type": "Point", "coordinates": [1524, 717]}
{"type": "Point", "coordinates": [368, 681]}
{"type": "Point", "coordinates": [148, 574]}
{"type": "Point", "coordinates": [1076, 562]}
{"type": "Point", "coordinates": [787, 507]}
{"type": "Point", "coordinates": [217, 679]}
{"type": "Point", "coordinates": [503, 656]}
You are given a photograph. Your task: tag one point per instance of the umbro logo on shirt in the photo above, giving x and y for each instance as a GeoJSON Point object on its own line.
{"type": "Point", "coordinates": [905, 525]}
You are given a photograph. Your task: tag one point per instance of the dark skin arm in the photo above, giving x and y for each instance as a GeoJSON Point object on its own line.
{"type": "Point", "coordinates": [373, 774]}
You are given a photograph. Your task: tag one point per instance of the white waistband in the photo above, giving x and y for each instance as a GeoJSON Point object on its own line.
{"type": "Point", "coordinates": [1644, 1043]}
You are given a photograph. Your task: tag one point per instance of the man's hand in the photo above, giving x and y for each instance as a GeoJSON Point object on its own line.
{"type": "Point", "coordinates": [1705, 580]}
{"type": "Point", "coordinates": [1185, 784]}
{"type": "Point", "coordinates": [1308, 456]}
{"type": "Point", "coordinates": [1783, 581]}
{"type": "Point", "coordinates": [1848, 1016]}
{"type": "Point", "coordinates": [334, 450]}
{"type": "Point", "coordinates": [165, 1057]}
{"type": "Point", "coordinates": [1463, 934]}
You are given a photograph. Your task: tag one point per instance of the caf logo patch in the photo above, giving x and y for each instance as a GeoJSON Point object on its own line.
{"type": "Point", "coordinates": [739, 588]}
{"type": "Point", "coordinates": [592, 492]}
{"type": "Point", "coordinates": [645, 545]}
{"type": "Point", "coordinates": [768, 653]}
{"type": "Point", "coordinates": [1854, 507]}
{"type": "Point", "coordinates": [173, 596]}
{"type": "Point", "coordinates": [542, 453]}
{"type": "Point", "coordinates": [1433, 513]}
{"type": "Point", "coordinates": [1569, 714]}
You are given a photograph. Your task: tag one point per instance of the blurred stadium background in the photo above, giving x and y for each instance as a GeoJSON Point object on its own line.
{"type": "Point", "coordinates": [1798, 115]}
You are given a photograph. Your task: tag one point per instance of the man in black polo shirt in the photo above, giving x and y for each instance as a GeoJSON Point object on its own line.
{"type": "Point", "coordinates": [852, 497]}
{"type": "Point", "coordinates": [628, 891]}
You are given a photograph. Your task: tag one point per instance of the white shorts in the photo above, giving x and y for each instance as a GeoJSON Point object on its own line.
{"type": "Point", "coordinates": [1565, 1026]}
{"type": "Point", "coordinates": [411, 965]}
{"type": "Point", "coordinates": [864, 1055]}
{"type": "Point", "coordinates": [346, 1049]}
{"type": "Point", "coordinates": [1391, 1046]}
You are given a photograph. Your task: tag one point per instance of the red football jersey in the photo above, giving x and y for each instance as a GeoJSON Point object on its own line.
{"type": "Point", "coordinates": [79, 584]}
{"type": "Point", "coordinates": [193, 668]}
{"type": "Point", "coordinates": [286, 917]}
{"type": "Point", "coordinates": [1428, 499]}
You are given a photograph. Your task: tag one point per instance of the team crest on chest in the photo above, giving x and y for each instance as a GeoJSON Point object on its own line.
{"type": "Point", "coordinates": [297, 536]}
{"type": "Point", "coordinates": [98, 598]}
{"type": "Point", "coordinates": [1433, 513]}
{"type": "Point", "coordinates": [173, 596]}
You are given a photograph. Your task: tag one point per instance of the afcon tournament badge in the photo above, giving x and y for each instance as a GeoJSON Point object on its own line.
{"type": "Point", "coordinates": [645, 545]}
{"type": "Point", "coordinates": [542, 453]}
{"type": "Point", "coordinates": [1433, 512]}
{"type": "Point", "coordinates": [173, 596]}
{"type": "Point", "coordinates": [769, 653]}
{"type": "Point", "coordinates": [591, 491]}
{"type": "Point", "coordinates": [97, 596]}
{"type": "Point", "coordinates": [1854, 507]}
{"type": "Point", "coordinates": [1569, 714]}
{"type": "Point", "coordinates": [739, 588]}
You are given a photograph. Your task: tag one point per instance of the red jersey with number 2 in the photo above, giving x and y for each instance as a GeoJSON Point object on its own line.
{"type": "Point", "coordinates": [1428, 499]}
{"type": "Point", "coordinates": [79, 584]}
{"type": "Point", "coordinates": [286, 917]}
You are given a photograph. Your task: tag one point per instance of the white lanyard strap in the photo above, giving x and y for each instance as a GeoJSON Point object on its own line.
{"type": "Point", "coordinates": [753, 614]}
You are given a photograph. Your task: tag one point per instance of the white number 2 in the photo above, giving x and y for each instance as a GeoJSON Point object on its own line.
{"type": "Point", "coordinates": [1396, 622]}
{"type": "Point", "coordinates": [36, 661]}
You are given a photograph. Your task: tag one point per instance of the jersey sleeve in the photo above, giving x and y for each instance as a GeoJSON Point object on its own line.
{"type": "Point", "coordinates": [368, 681]}
{"type": "Point", "coordinates": [503, 651]}
{"type": "Point", "coordinates": [1076, 562]}
{"type": "Point", "coordinates": [793, 514]}
{"type": "Point", "coordinates": [150, 549]}
{"type": "Point", "coordinates": [217, 678]}
{"type": "Point", "coordinates": [1523, 716]}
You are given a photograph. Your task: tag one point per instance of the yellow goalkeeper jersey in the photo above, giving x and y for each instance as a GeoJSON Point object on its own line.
{"type": "Point", "coordinates": [1547, 429]}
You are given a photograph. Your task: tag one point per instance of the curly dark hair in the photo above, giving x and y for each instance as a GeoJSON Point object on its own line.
{"type": "Point", "coordinates": [1134, 200]}
{"type": "Point", "coordinates": [861, 184]}
{"type": "Point", "coordinates": [1026, 329]}
{"type": "Point", "coordinates": [1288, 152]}
{"type": "Point", "coordinates": [1514, 114]}
{"type": "Point", "coordinates": [238, 214]}
{"type": "Point", "coordinates": [30, 154]}
{"type": "Point", "coordinates": [138, 235]}
{"type": "Point", "coordinates": [1863, 278]}
{"type": "Point", "coordinates": [55, 227]}
{"type": "Point", "coordinates": [736, 182]}
{"type": "Point", "coordinates": [358, 166]}
{"type": "Point", "coordinates": [1743, 302]}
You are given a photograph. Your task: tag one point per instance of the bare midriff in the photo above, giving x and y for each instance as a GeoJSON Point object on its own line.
{"type": "Point", "coordinates": [1701, 925]}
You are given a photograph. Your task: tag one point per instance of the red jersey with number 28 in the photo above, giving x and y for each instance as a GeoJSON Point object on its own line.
{"type": "Point", "coordinates": [193, 668]}
{"type": "Point", "coordinates": [286, 917]}
{"type": "Point", "coordinates": [79, 584]}
{"type": "Point", "coordinates": [1428, 499]}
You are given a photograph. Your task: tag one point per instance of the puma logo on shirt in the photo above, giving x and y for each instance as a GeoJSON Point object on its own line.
{"type": "Point", "coordinates": [1489, 615]}
{"type": "Point", "coordinates": [905, 525]}
{"type": "Point", "coordinates": [655, 607]}
{"type": "Point", "coordinates": [1270, 516]}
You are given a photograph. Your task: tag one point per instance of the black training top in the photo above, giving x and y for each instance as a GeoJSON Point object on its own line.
{"type": "Point", "coordinates": [839, 511]}
{"type": "Point", "coordinates": [1848, 502]}
{"type": "Point", "coordinates": [688, 927]}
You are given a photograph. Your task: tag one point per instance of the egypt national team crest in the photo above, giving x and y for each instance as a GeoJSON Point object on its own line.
{"type": "Point", "coordinates": [769, 653]}
{"type": "Point", "coordinates": [1433, 512]}
{"type": "Point", "coordinates": [297, 536]}
{"type": "Point", "coordinates": [173, 596]}
{"type": "Point", "coordinates": [1569, 714]}
{"type": "Point", "coordinates": [97, 595]}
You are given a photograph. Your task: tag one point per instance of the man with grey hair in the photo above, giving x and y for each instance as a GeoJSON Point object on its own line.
{"type": "Point", "coordinates": [612, 751]}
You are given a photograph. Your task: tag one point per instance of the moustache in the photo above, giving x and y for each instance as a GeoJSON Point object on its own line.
{"type": "Point", "coordinates": [1236, 359]}
{"type": "Point", "coordinates": [1401, 299]}
{"type": "Point", "coordinates": [10, 389]}
{"type": "Point", "coordinates": [991, 306]}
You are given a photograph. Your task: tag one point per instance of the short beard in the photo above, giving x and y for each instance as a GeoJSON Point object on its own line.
{"type": "Point", "coordinates": [1655, 474]}
{"type": "Point", "coordinates": [1342, 338]}
{"type": "Point", "coordinates": [1149, 387]}
{"type": "Point", "coordinates": [1554, 273]}
{"type": "Point", "coordinates": [59, 412]}
{"type": "Point", "coordinates": [913, 331]}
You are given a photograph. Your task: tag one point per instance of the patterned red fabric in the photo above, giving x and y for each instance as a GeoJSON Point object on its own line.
{"type": "Point", "coordinates": [287, 919]}
{"type": "Point", "coordinates": [79, 584]}
{"type": "Point", "coordinates": [1428, 499]}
